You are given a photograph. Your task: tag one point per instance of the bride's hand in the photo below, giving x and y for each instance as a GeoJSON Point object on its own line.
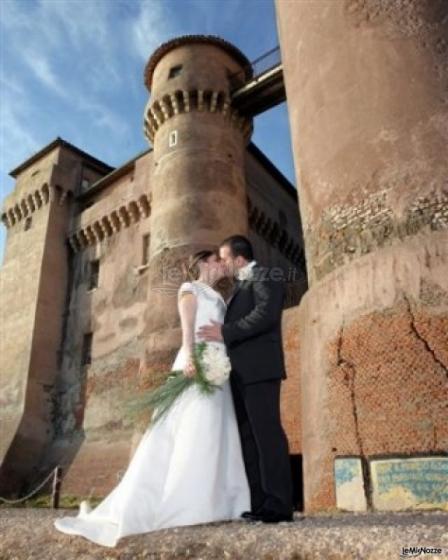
{"type": "Point", "coordinates": [190, 368]}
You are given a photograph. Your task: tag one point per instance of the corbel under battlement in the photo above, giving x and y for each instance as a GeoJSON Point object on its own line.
{"type": "Point", "coordinates": [120, 218]}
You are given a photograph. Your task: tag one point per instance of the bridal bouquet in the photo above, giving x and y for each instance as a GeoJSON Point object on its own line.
{"type": "Point", "coordinates": [212, 370]}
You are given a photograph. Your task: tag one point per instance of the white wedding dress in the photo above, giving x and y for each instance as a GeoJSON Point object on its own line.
{"type": "Point", "coordinates": [187, 469]}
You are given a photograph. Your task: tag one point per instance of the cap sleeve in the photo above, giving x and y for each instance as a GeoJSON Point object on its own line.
{"type": "Point", "coordinates": [186, 288]}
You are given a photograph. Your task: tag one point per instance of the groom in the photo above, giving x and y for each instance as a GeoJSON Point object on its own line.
{"type": "Point", "coordinates": [252, 335]}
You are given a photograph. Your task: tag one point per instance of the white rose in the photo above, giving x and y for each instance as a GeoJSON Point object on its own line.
{"type": "Point", "coordinates": [216, 364]}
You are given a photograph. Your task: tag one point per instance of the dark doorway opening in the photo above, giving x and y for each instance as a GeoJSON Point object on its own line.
{"type": "Point", "coordinates": [297, 482]}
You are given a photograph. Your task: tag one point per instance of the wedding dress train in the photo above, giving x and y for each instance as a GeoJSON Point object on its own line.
{"type": "Point", "coordinates": [188, 467]}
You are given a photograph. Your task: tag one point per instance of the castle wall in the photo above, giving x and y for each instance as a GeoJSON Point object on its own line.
{"type": "Point", "coordinates": [275, 229]}
{"type": "Point", "coordinates": [93, 435]}
{"type": "Point", "coordinates": [377, 363]}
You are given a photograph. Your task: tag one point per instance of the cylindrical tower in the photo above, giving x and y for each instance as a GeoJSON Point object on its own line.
{"type": "Point", "coordinates": [198, 181]}
{"type": "Point", "coordinates": [367, 90]}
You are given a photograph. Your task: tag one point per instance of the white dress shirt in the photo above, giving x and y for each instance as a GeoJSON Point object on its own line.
{"type": "Point", "coordinates": [245, 271]}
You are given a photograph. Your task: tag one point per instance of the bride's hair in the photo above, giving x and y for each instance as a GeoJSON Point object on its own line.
{"type": "Point", "coordinates": [192, 270]}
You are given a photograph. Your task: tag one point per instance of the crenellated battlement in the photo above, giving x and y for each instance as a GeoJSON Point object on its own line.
{"type": "Point", "coordinates": [18, 210]}
{"type": "Point", "coordinates": [159, 111]}
{"type": "Point", "coordinates": [122, 217]}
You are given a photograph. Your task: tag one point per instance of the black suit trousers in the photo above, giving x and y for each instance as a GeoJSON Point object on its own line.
{"type": "Point", "coordinates": [264, 444]}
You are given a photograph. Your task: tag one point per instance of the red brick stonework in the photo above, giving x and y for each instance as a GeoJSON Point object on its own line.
{"type": "Point", "coordinates": [374, 381]}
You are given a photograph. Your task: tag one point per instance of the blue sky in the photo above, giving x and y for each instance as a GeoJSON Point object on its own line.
{"type": "Point", "coordinates": [74, 68]}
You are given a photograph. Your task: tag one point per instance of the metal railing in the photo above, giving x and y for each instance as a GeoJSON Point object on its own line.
{"type": "Point", "coordinates": [256, 68]}
{"type": "Point", "coordinates": [56, 474]}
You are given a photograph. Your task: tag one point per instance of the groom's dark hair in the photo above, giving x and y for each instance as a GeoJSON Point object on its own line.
{"type": "Point", "coordinates": [240, 246]}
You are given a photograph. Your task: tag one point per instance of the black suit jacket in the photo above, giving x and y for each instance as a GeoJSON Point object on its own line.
{"type": "Point", "coordinates": [252, 327]}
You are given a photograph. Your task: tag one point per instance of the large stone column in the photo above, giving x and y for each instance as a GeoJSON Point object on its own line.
{"type": "Point", "coordinates": [367, 90]}
{"type": "Point", "coordinates": [197, 184]}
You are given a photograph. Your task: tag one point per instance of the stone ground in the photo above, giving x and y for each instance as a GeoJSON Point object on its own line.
{"type": "Point", "coordinates": [28, 534]}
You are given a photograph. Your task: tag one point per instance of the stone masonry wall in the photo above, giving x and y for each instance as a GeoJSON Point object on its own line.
{"type": "Point", "coordinates": [366, 84]}
{"type": "Point", "coordinates": [375, 375]}
{"type": "Point", "coordinates": [92, 431]}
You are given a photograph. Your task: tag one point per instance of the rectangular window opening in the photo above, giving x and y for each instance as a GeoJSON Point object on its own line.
{"type": "Point", "coordinates": [175, 71]}
{"type": "Point", "coordinates": [145, 248]}
{"type": "Point", "coordinates": [172, 140]}
{"type": "Point", "coordinates": [87, 349]}
{"type": "Point", "coordinates": [94, 274]}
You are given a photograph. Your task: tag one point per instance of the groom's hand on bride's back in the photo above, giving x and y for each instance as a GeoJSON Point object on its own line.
{"type": "Point", "coordinates": [211, 333]}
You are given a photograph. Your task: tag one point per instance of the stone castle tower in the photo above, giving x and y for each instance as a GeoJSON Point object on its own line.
{"type": "Point", "coordinates": [198, 181]}
{"type": "Point", "coordinates": [34, 280]}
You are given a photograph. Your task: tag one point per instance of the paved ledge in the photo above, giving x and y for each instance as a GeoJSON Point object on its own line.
{"type": "Point", "coordinates": [28, 534]}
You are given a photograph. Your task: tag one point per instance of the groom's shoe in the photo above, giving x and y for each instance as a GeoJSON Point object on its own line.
{"type": "Point", "coordinates": [272, 517]}
{"type": "Point", "coordinates": [248, 515]}
{"type": "Point", "coordinates": [267, 516]}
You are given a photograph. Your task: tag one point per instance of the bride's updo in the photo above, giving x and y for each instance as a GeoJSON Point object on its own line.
{"type": "Point", "coordinates": [192, 269]}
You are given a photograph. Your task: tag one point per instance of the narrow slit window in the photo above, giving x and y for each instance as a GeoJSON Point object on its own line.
{"type": "Point", "coordinates": [94, 274]}
{"type": "Point", "coordinates": [28, 222]}
{"type": "Point", "coordinates": [175, 71]}
{"type": "Point", "coordinates": [87, 349]}
{"type": "Point", "coordinates": [145, 249]}
{"type": "Point", "coordinates": [172, 140]}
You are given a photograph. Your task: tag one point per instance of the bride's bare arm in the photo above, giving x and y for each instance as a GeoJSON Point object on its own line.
{"type": "Point", "coordinates": [187, 311]}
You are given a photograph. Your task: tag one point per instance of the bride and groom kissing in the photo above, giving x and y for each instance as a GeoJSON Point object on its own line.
{"type": "Point", "coordinates": [213, 457]}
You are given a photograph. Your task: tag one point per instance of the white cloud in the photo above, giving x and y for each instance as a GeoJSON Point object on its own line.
{"type": "Point", "coordinates": [83, 21]}
{"type": "Point", "coordinates": [66, 31]}
{"type": "Point", "coordinates": [152, 26]}
{"type": "Point", "coordinates": [17, 140]}
{"type": "Point", "coordinates": [69, 50]}
{"type": "Point", "coordinates": [87, 26]}
{"type": "Point", "coordinates": [103, 117]}
{"type": "Point", "coordinates": [41, 68]}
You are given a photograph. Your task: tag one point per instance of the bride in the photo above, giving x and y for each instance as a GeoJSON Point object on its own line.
{"type": "Point", "coordinates": [188, 467]}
